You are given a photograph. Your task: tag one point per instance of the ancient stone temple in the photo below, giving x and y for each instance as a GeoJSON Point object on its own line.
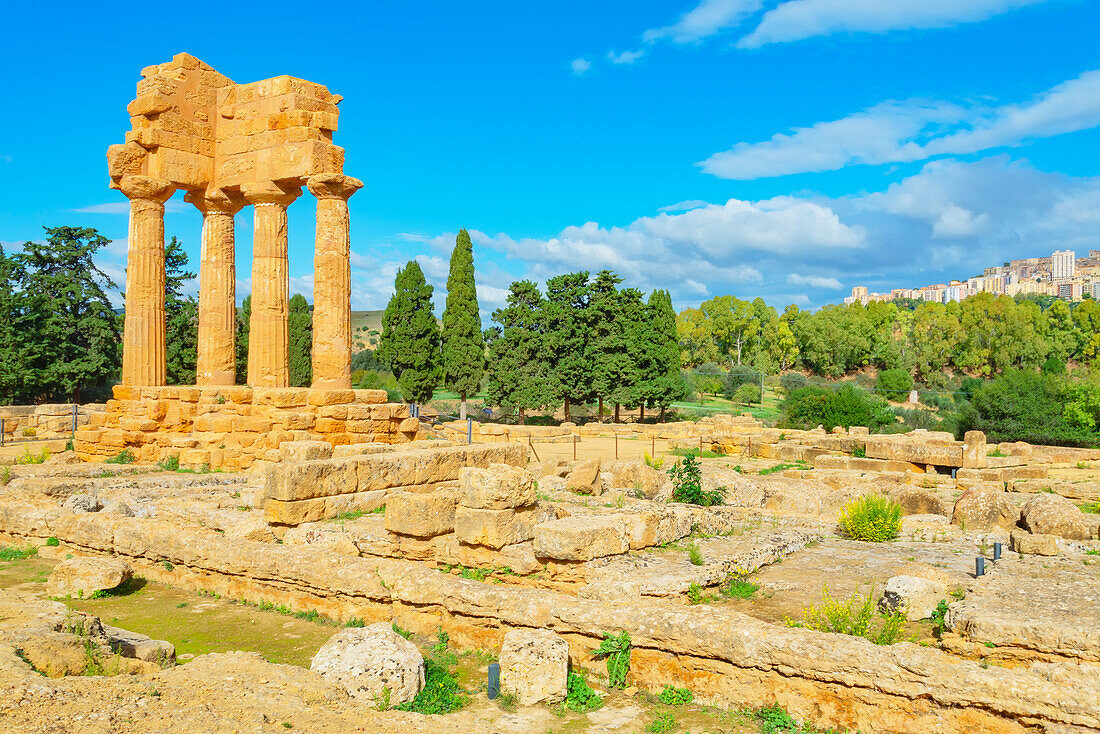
{"type": "Point", "coordinates": [230, 145]}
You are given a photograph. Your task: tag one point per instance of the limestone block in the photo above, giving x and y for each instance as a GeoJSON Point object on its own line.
{"type": "Point", "coordinates": [322, 478]}
{"type": "Point", "coordinates": [534, 666]}
{"type": "Point", "coordinates": [974, 450]}
{"type": "Point", "coordinates": [421, 514]}
{"type": "Point", "coordinates": [495, 528]}
{"type": "Point", "coordinates": [916, 501]}
{"type": "Point", "coordinates": [636, 476]}
{"type": "Point", "coordinates": [498, 487]}
{"type": "Point", "coordinates": [331, 397]}
{"type": "Point", "coordinates": [520, 557]}
{"type": "Point", "coordinates": [917, 597]}
{"type": "Point", "coordinates": [585, 478]}
{"type": "Point", "coordinates": [140, 647]}
{"type": "Point", "coordinates": [294, 512]}
{"type": "Point", "coordinates": [1032, 544]}
{"type": "Point", "coordinates": [304, 450]}
{"type": "Point", "coordinates": [368, 661]}
{"type": "Point", "coordinates": [82, 577]}
{"type": "Point", "coordinates": [1050, 514]}
{"type": "Point", "coordinates": [984, 509]}
{"type": "Point", "coordinates": [581, 538]}
{"type": "Point", "coordinates": [82, 503]}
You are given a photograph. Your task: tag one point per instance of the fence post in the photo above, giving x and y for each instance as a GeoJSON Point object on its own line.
{"type": "Point", "coordinates": [2, 434]}
{"type": "Point", "coordinates": [616, 447]}
{"type": "Point", "coordinates": [469, 431]}
{"type": "Point", "coordinates": [75, 409]}
{"type": "Point", "coordinates": [574, 447]}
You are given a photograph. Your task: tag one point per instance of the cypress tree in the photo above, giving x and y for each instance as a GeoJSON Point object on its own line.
{"type": "Point", "coordinates": [566, 335]}
{"type": "Point", "coordinates": [664, 383]}
{"type": "Point", "coordinates": [518, 375]}
{"type": "Point", "coordinates": [410, 335]}
{"type": "Point", "coordinates": [244, 315]}
{"type": "Point", "coordinates": [12, 344]}
{"type": "Point", "coordinates": [636, 369]}
{"type": "Point", "coordinates": [463, 343]}
{"type": "Point", "coordinates": [607, 344]}
{"type": "Point", "coordinates": [301, 342]}
{"type": "Point", "coordinates": [181, 315]}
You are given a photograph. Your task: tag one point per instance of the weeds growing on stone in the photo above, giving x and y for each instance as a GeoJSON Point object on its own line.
{"type": "Point", "coordinates": [507, 701]}
{"type": "Point", "coordinates": [615, 651]}
{"type": "Point", "coordinates": [859, 452]}
{"type": "Point", "coordinates": [5, 476]}
{"type": "Point", "coordinates": [673, 696]}
{"type": "Point", "coordinates": [28, 458]}
{"type": "Point", "coordinates": [664, 724]}
{"type": "Point", "coordinates": [695, 594]}
{"type": "Point", "coordinates": [784, 466]}
{"type": "Point", "coordinates": [695, 554]}
{"type": "Point", "coordinates": [170, 463]}
{"type": "Point", "coordinates": [441, 693]}
{"type": "Point", "coordinates": [871, 518]}
{"type": "Point", "coordinates": [579, 695]}
{"type": "Point", "coordinates": [687, 485]}
{"type": "Point", "coordinates": [937, 618]}
{"type": "Point", "coordinates": [1092, 507]}
{"type": "Point", "coordinates": [653, 462]}
{"type": "Point", "coordinates": [12, 553]}
{"type": "Point", "coordinates": [126, 456]}
{"type": "Point", "coordinates": [399, 630]}
{"type": "Point", "coordinates": [737, 586]}
{"type": "Point", "coordinates": [696, 453]}
{"type": "Point", "coordinates": [856, 616]}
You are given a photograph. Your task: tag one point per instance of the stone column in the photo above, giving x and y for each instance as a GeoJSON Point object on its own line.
{"type": "Point", "coordinates": [217, 345]}
{"type": "Point", "coordinates": [144, 354]}
{"type": "Point", "coordinates": [268, 328]}
{"type": "Point", "coordinates": [332, 281]}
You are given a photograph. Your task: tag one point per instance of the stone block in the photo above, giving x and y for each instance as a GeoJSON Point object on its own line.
{"type": "Point", "coordinates": [917, 597]}
{"type": "Point", "coordinates": [984, 509]}
{"type": "Point", "coordinates": [367, 662]}
{"type": "Point", "coordinates": [304, 450]}
{"type": "Point", "coordinates": [82, 577]}
{"type": "Point", "coordinates": [331, 397]}
{"type": "Point", "coordinates": [581, 538]}
{"type": "Point", "coordinates": [534, 666]}
{"type": "Point", "coordinates": [495, 528]}
{"type": "Point", "coordinates": [585, 478]}
{"type": "Point", "coordinates": [422, 514]}
{"type": "Point", "coordinates": [1050, 514]}
{"type": "Point", "coordinates": [295, 512]}
{"type": "Point", "coordinates": [499, 487]}
{"type": "Point", "coordinates": [1032, 544]}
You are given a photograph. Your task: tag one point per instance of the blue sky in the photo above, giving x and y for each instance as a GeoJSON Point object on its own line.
{"type": "Point", "coordinates": [779, 148]}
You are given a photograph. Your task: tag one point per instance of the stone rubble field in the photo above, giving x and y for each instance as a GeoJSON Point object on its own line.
{"type": "Point", "coordinates": [371, 568]}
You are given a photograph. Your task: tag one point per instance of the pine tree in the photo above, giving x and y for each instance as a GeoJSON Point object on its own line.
{"type": "Point", "coordinates": [301, 342]}
{"type": "Point", "coordinates": [181, 315]}
{"type": "Point", "coordinates": [12, 345]}
{"type": "Point", "coordinates": [463, 343]}
{"type": "Point", "coordinates": [607, 347]}
{"type": "Point", "coordinates": [630, 388]}
{"type": "Point", "coordinates": [518, 374]}
{"type": "Point", "coordinates": [410, 335]}
{"type": "Point", "coordinates": [67, 316]}
{"type": "Point", "coordinates": [244, 316]}
{"type": "Point", "coordinates": [566, 324]}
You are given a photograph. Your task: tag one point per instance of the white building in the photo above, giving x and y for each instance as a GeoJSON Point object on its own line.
{"type": "Point", "coordinates": [1062, 265]}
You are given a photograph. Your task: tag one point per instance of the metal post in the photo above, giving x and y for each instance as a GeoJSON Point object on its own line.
{"type": "Point", "coordinates": [2, 433]}
{"type": "Point", "coordinates": [979, 566]}
{"type": "Point", "coordinates": [412, 409]}
{"type": "Point", "coordinates": [996, 551]}
{"type": "Point", "coordinates": [574, 447]}
{"type": "Point", "coordinates": [75, 408]}
{"type": "Point", "coordinates": [469, 431]}
{"type": "Point", "coordinates": [616, 447]}
{"type": "Point", "coordinates": [494, 680]}
{"type": "Point", "coordinates": [653, 446]}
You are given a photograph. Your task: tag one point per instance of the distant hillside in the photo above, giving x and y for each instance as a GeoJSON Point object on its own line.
{"type": "Point", "coordinates": [365, 326]}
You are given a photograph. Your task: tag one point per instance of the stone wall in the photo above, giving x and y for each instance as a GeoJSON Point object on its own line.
{"type": "Point", "coordinates": [233, 427]}
{"type": "Point", "coordinates": [46, 420]}
{"type": "Point", "coordinates": [723, 656]}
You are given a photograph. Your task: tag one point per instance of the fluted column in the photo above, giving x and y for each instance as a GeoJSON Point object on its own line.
{"type": "Point", "coordinates": [217, 344]}
{"type": "Point", "coordinates": [144, 354]}
{"type": "Point", "coordinates": [268, 328]}
{"type": "Point", "coordinates": [332, 281]}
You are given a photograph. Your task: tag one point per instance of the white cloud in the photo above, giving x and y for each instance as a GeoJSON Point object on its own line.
{"type": "Point", "coordinates": [580, 66]}
{"type": "Point", "coordinates": [626, 57]}
{"type": "Point", "coordinates": [814, 281]}
{"type": "Point", "coordinates": [705, 19]}
{"type": "Point", "coordinates": [123, 207]}
{"type": "Point", "coordinates": [912, 130]}
{"type": "Point", "coordinates": [683, 206]}
{"type": "Point", "coordinates": [800, 19]}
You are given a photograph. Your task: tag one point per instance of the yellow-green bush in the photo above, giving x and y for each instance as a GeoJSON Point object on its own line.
{"type": "Point", "coordinates": [871, 518]}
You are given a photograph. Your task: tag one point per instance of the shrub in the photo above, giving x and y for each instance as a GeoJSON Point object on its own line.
{"type": "Point", "coordinates": [687, 485]}
{"type": "Point", "coordinates": [673, 696]}
{"type": "Point", "coordinates": [122, 457]}
{"type": "Point", "coordinates": [738, 586]}
{"type": "Point", "coordinates": [708, 378]}
{"type": "Point", "coordinates": [579, 695]}
{"type": "Point", "coordinates": [1054, 366]}
{"type": "Point", "coordinates": [441, 693]}
{"type": "Point", "coordinates": [857, 616]}
{"type": "Point", "coordinates": [1040, 409]}
{"type": "Point", "coordinates": [808, 407]}
{"type": "Point", "coordinates": [695, 554]}
{"type": "Point", "coordinates": [738, 377]}
{"type": "Point", "coordinates": [747, 393]}
{"type": "Point", "coordinates": [894, 384]}
{"type": "Point", "coordinates": [28, 458]}
{"type": "Point", "coordinates": [615, 650]}
{"type": "Point", "coordinates": [29, 432]}
{"type": "Point", "coordinates": [653, 462]}
{"type": "Point", "coordinates": [664, 724]}
{"type": "Point", "coordinates": [52, 542]}
{"type": "Point", "coordinates": [871, 518]}
{"type": "Point", "coordinates": [170, 463]}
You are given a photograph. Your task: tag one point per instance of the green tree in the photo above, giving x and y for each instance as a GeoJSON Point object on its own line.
{"type": "Point", "coordinates": [565, 324]}
{"type": "Point", "coordinates": [67, 316]}
{"type": "Point", "coordinates": [301, 341]}
{"type": "Point", "coordinates": [696, 335]}
{"type": "Point", "coordinates": [463, 343]}
{"type": "Point", "coordinates": [664, 384]}
{"type": "Point", "coordinates": [410, 335]}
{"type": "Point", "coordinates": [181, 314]}
{"type": "Point", "coordinates": [607, 343]}
{"type": "Point", "coordinates": [244, 316]}
{"type": "Point", "coordinates": [12, 345]}
{"type": "Point", "coordinates": [519, 377]}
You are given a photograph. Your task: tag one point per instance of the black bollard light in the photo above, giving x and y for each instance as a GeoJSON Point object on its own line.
{"type": "Point", "coordinates": [979, 566]}
{"type": "Point", "coordinates": [996, 551]}
{"type": "Point", "coordinates": [494, 680]}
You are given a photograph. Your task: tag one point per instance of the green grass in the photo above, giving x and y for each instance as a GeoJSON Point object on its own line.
{"type": "Point", "coordinates": [737, 586]}
{"type": "Point", "coordinates": [695, 554]}
{"type": "Point", "coordinates": [126, 456]}
{"type": "Point", "coordinates": [1092, 507]}
{"type": "Point", "coordinates": [673, 696]}
{"type": "Point", "coordinates": [784, 466]}
{"type": "Point", "coordinates": [696, 453]}
{"type": "Point", "coordinates": [664, 724]}
{"type": "Point", "coordinates": [857, 616]}
{"type": "Point", "coordinates": [12, 553]}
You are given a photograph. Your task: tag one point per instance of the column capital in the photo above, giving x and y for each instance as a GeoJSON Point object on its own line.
{"type": "Point", "coordinates": [215, 200]}
{"type": "Point", "coordinates": [270, 193]}
{"type": "Point", "coordinates": [146, 188]}
{"type": "Point", "coordinates": [333, 186]}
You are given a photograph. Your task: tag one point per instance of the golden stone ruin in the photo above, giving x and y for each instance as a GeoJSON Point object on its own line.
{"type": "Point", "coordinates": [229, 145]}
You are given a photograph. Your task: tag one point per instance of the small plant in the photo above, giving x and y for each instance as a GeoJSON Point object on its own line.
{"type": "Point", "coordinates": [126, 456]}
{"type": "Point", "coordinates": [28, 458]}
{"type": "Point", "coordinates": [673, 696]}
{"type": "Point", "coordinates": [664, 724]}
{"type": "Point", "coordinates": [167, 565]}
{"type": "Point", "coordinates": [17, 554]}
{"type": "Point", "coordinates": [69, 445]}
{"type": "Point", "coordinates": [695, 554]}
{"type": "Point", "coordinates": [355, 622]}
{"type": "Point", "coordinates": [5, 476]}
{"type": "Point", "coordinates": [784, 466]}
{"type": "Point", "coordinates": [695, 594]}
{"type": "Point", "coordinates": [996, 452]}
{"type": "Point", "coordinates": [441, 693]}
{"type": "Point", "coordinates": [52, 542]}
{"type": "Point", "coordinates": [937, 618]}
{"type": "Point", "coordinates": [170, 463]}
{"type": "Point", "coordinates": [1091, 507]}
{"type": "Point", "coordinates": [615, 651]}
{"type": "Point", "coordinates": [1082, 465]}
{"type": "Point", "coordinates": [687, 485]}
{"type": "Point", "coordinates": [29, 432]}
{"type": "Point", "coordinates": [403, 632]}
{"type": "Point", "coordinates": [856, 616]}
{"type": "Point", "coordinates": [738, 586]}
{"type": "Point", "coordinates": [507, 701]}
{"type": "Point", "coordinates": [579, 695]}
{"type": "Point", "coordinates": [871, 518]}
{"type": "Point", "coordinates": [383, 702]}
{"type": "Point", "coordinates": [653, 462]}
{"type": "Point", "coordinates": [219, 399]}
{"type": "Point", "coordinates": [859, 452]}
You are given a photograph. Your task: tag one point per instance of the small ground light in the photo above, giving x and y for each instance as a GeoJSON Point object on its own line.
{"type": "Point", "coordinates": [494, 680]}
{"type": "Point", "coordinates": [979, 566]}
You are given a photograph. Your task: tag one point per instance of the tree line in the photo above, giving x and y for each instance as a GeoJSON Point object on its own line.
{"type": "Point", "coordinates": [981, 335]}
{"type": "Point", "coordinates": [61, 337]}
{"type": "Point", "coordinates": [585, 340]}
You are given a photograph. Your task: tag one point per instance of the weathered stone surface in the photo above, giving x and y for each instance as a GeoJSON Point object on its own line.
{"type": "Point", "coordinates": [637, 476]}
{"type": "Point", "coordinates": [495, 528]}
{"type": "Point", "coordinates": [423, 514]}
{"type": "Point", "coordinates": [984, 509]}
{"type": "Point", "coordinates": [581, 538]}
{"type": "Point", "coordinates": [534, 665]}
{"type": "Point", "coordinates": [585, 478]}
{"type": "Point", "coordinates": [141, 647]}
{"type": "Point", "coordinates": [917, 597]}
{"type": "Point", "coordinates": [118, 507]}
{"type": "Point", "coordinates": [1031, 544]}
{"type": "Point", "coordinates": [915, 500]}
{"type": "Point", "coordinates": [82, 577]}
{"type": "Point", "coordinates": [1049, 514]}
{"type": "Point", "coordinates": [83, 503]}
{"type": "Point", "coordinates": [498, 487]}
{"type": "Point", "coordinates": [305, 450]}
{"type": "Point", "coordinates": [369, 660]}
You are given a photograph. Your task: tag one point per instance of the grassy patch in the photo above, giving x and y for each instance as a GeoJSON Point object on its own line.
{"type": "Point", "coordinates": [784, 466]}
{"type": "Point", "coordinates": [856, 616]}
{"type": "Point", "coordinates": [673, 696]}
{"type": "Point", "coordinates": [1093, 507]}
{"type": "Point", "coordinates": [126, 456]}
{"type": "Point", "coordinates": [696, 453]}
{"type": "Point", "coordinates": [12, 553]}
{"type": "Point", "coordinates": [738, 586]}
